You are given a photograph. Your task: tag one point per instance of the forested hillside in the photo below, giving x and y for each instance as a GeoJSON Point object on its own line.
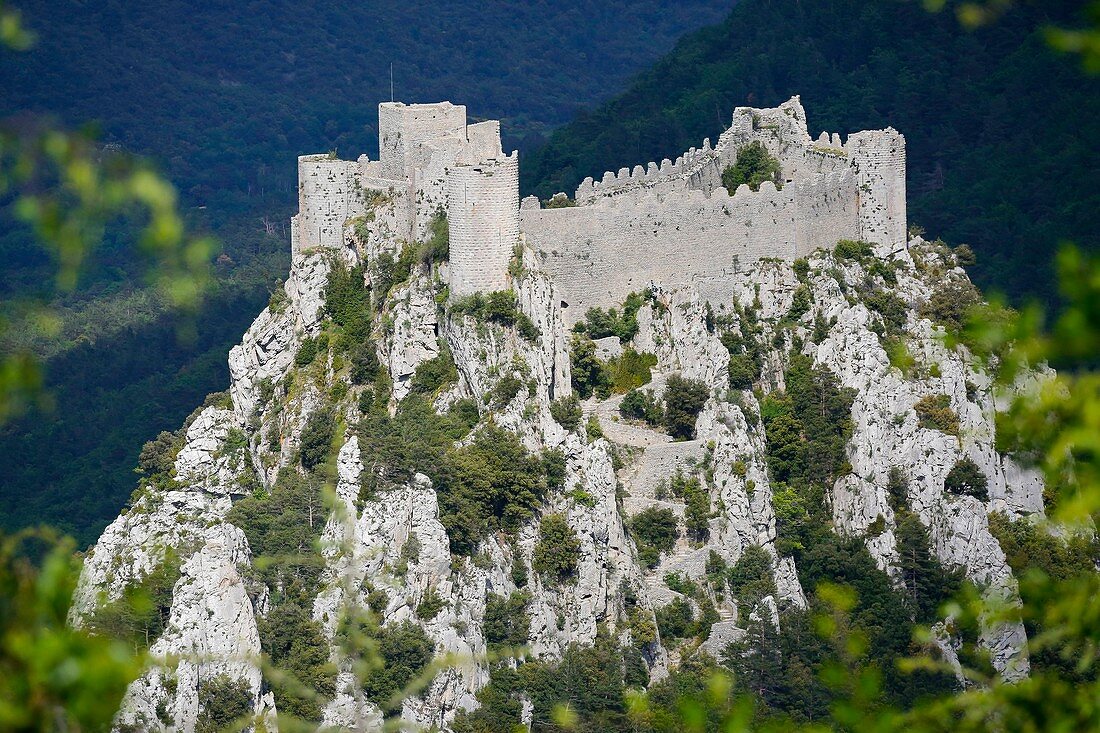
{"type": "Point", "coordinates": [1002, 132]}
{"type": "Point", "coordinates": [223, 97]}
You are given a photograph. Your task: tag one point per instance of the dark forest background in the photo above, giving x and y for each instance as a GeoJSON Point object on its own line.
{"type": "Point", "coordinates": [1002, 134]}
{"type": "Point", "coordinates": [223, 97]}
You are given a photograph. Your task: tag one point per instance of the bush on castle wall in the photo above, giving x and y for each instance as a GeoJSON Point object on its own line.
{"type": "Point", "coordinates": [599, 323]}
{"type": "Point", "coordinates": [438, 246]}
{"type": "Point", "coordinates": [753, 166]}
{"type": "Point", "coordinates": [559, 201]}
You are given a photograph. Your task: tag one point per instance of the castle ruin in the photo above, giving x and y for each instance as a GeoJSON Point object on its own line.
{"type": "Point", "coordinates": [670, 224]}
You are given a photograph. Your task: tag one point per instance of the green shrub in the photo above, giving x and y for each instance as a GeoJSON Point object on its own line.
{"type": "Point", "coordinates": [296, 646]}
{"type": "Point", "coordinates": [697, 500]}
{"type": "Point", "coordinates": [430, 605]}
{"type": "Point", "coordinates": [950, 303]}
{"type": "Point", "coordinates": [140, 614]}
{"type": "Point", "coordinates": [889, 306]}
{"type": "Point", "coordinates": [676, 620]}
{"type": "Point", "coordinates": [501, 307]}
{"type": "Point", "coordinates": [347, 303]}
{"type": "Point", "coordinates": [278, 300]}
{"type": "Point", "coordinates": [1030, 546]}
{"type": "Point", "coordinates": [654, 531]}
{"type": "Point", "coordinates": [588, 374]}
{"type": "Point", "coordinates": [743, 371]}
{"type": "Point", "coordinates": [491, 484]}
{"type": "Point", "coordinates": [390, 272]}
{"type": "Point", "coordinates": [158, 456]}
{"type": "Point", "coordinates": [848, 249]}
{"type": "Point", "coordinates": [897, 490]}
{"type": "Point", "coordinates": [684, 400]}
{"type": "Point", "coordinates": [266, 390]}
{"type": "Point", "coordinates": [753, 166]}
{"type": "Point", "coordinates": [404, 650]}
{"type": "Point", "coordinates": [364, 363]}
{"type": "Point", "coordinates": [639, 405]}
{"type": "Point", "coordinates": [631, 370]}
{"type": "Point", "coordinates": [897, 351]}
{"type": "Point", "coordinates": [223, 701]}
{"type": "Point", "coordinates": [966, 479]}
{"type": "Point", "coordinates": [526, 328]}
{"type": "Point", "coordinates": [566, 411]}
{"type": "Point", "coordinates": [506, 625]}
{"type": "Point", "coordinates": [934, 413]}
{"type": "Point", "coordinates": [282, 528]}
{"type": "Point", "coordinates": [593, 428]}
{"type": "Point", "coordinates": [307, 352]}
{"type": "Point", "coordinates": [519, 570]}
{"type": "Point", "coordinates": [505, 390]}
{"type": "Point", "coordinates": [964, 256]}
{"type": "Point", "coordinates": [807, 431]}
{"type": "Point", "coordinates": [926, 583]}
{"type": "Point", "coordinates": [600, 323]}
{"type": "Point", "coordinates": [317, 436]}
{"type": "Point", "coordinates": [438, 246]}
{"type": "Point", "coordinates": [801, 267]}
{"type": "Point", "coordinates": [751, 579]}
{"type": "Point", "coordinates": [557, 551]}
{"type": "Point", "coordinates": [435, 373]}
{"type": "Point", "coordinates": [697, 512]}
{"type": "Point", "coordinates": [801, 302]}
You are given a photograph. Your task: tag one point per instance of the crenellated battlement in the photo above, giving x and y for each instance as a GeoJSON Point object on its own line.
{"type": "Point", "coordinates": [628, 180]}
{"type": "Point", "coordinates": [668, 223]}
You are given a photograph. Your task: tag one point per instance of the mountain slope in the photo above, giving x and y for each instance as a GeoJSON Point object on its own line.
{"type": "Point", "coordinates": [1002, 134]}
{"type": "Point", "coordinates": [223, 97]}
{"type": "Point", "coordinates": [391, 472]}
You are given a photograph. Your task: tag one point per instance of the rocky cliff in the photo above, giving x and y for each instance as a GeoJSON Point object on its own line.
{"type": "Point", "coordinates": [304, 490]}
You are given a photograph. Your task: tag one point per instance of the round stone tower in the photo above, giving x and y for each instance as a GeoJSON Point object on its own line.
{"type": "Point", "coordinates": [483, 216]}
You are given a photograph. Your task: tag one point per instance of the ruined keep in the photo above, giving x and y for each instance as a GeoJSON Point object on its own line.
{"type": "Point", "coordinates": [670, 224]}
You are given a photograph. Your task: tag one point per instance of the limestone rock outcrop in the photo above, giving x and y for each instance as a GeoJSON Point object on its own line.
{"type": "Point", "coordinates": [383, 549]}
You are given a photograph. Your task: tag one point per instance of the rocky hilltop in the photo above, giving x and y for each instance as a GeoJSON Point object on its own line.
{"type": "Point", "coordinates": [435, 479]}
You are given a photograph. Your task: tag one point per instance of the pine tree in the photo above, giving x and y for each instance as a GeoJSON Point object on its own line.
{"type": "Point", "coordinates": [927, 583]}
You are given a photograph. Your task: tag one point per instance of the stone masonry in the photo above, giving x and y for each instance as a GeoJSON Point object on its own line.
{"type": "Point", "coordinates": [667, 224]}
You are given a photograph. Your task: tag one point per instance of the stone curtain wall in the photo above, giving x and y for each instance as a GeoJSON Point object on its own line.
{"type": "Point", "coordinates": [667, 176]}
{"type": "Point", "coordinates": [483, 215]}
{"type": "Point", "coordinates": [879, 158]}
{"type": "Point", "coordinates": [329, 193]}
{"type": "Point", "coordinates": [669, 224]}
{"type": "Point", "coordinates": [599, 253]}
